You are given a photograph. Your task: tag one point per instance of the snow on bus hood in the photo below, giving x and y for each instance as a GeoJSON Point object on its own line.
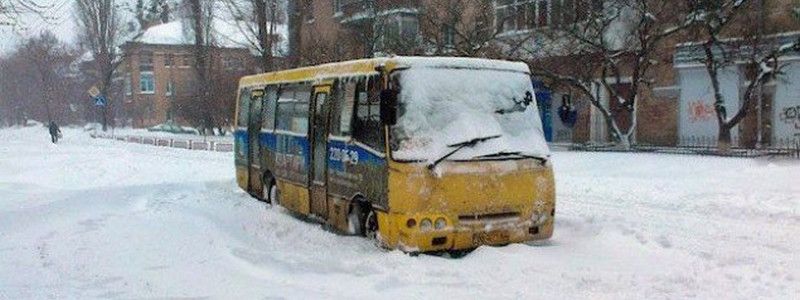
{"type": "Point", "coordinates": [442, 106]}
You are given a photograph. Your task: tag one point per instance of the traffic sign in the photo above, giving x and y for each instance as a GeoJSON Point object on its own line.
{"type": "Point", "coordinates": [99, 101]}
{"type": "Point", "coordinates": [94, 91]}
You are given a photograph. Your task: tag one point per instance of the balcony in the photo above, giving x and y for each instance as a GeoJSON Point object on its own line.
{"type": "Point", "coordinates": [356, 11]}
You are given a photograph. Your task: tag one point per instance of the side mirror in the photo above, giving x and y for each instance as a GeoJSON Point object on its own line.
{"type": "Point", "coordinates": [388, 107]}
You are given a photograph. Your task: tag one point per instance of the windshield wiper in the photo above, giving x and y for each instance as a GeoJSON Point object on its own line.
{"type": "Point", "coordinates": [462, 145]}
{"type": "Point", "coordinates": [542, 160]}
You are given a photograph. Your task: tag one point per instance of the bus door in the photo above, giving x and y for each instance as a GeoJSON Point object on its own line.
{"type": "Point", "coordinates": [319, 150]}
{"type": "Point", "coordinates": [254, 149]}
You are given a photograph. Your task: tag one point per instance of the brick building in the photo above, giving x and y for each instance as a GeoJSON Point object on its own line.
{"type": "Point", "coordinates": [159, 70]}
{"type": "Point", "coordinates": [334, 30]}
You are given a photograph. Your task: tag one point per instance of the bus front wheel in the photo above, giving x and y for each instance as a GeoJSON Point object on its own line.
{"type": "Point", "coordinates": [355, 219]}
{"type": "Point", "coordinates": [371, 226]}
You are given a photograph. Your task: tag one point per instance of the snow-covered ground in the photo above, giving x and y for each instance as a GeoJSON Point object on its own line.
{"type": "Point", "coordinates": [103, 219]}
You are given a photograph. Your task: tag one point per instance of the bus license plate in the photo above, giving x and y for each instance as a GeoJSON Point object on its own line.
{"type": "Point", "coordinates": [490, 238]}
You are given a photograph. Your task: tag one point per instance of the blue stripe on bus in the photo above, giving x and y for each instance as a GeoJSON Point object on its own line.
{"type": "Point", "coordinates": [339, 153]}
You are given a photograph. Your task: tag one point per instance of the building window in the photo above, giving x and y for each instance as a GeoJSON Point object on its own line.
{"type": "Point", "coordinates": [448, 35]}
{"type": "Point", "coordinates": [230, 63]}
{"type": "Point", "coordinates": [170, 89]}
{"type": "Point", "coordinates": [168, 61]}
{"type": "Point", "coordinates": [400, 33]}
{"type": "Point", "coordinates": [145, 61]}
{"type": "Point", "coordinates": [308, 8]}
{"type": "Point", "coordinates": [186, 61]}
{"type": "Point", "coordinates": [520, 15]}
{"type": "Point", "coordinates": [147, 83]}
{"type": "Point", "coordinates": [543, 14]}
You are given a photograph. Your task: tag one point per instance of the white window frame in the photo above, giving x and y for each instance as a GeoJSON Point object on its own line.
{"type": "Point", "coordinates": [141, 82]}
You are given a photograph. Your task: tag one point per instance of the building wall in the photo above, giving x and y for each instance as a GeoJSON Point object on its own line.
{"type": "Point", "coordinates": [145, 109]}
{"type": "Point", "coordinates": [658, 118]}
{"type": "Point", "coordinates": [674, 108]}
{"type": "Point", "coordinates": [697, 121]}
{"type": "Point", "coordinates": [786, 108]}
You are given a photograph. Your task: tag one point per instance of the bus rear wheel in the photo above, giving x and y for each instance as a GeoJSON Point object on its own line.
{"type": "Point", "coordinates": [271, 194]}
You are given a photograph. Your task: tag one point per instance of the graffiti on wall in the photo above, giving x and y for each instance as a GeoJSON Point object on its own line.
{"type": "Point", "coordinates": [791, 116]}
{"type": "Point", "coordinates": [700, 111]}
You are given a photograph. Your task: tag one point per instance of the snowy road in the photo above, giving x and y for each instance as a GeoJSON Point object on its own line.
{"type": "Point", "coordinates": [103, 219]}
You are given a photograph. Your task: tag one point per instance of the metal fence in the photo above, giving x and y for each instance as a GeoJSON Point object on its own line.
{"type": "Point", "coordinates": [702, 146]}
{"type": "Point", "coordinates": [188, 144]}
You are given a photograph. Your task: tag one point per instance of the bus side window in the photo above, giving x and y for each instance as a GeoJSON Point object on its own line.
{"type": "Point", "coordinates": [345, 92]}
{"type": "Point", "coordinates": [302, 98]}
{"type": "Point", "coordinates": [285, 109]}
{"type": "Point", "coordinates": [293, 109]}
{"type": "Point", "coordinates": [367, 123]}
{"type": "Point", "coordinates": [244, 108]}
{"type": "Point", "coordinates": [270, 106]}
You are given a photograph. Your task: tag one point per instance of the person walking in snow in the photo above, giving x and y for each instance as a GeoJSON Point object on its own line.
{"type": "Point", "coordinates": [55, 132]}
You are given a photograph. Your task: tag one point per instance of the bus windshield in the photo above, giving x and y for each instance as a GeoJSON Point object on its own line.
{"type": "Point", "coordinates": [441, 108]}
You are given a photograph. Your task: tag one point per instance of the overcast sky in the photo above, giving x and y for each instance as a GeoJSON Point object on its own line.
{"type": "Point", "coordinates": [62, 24]}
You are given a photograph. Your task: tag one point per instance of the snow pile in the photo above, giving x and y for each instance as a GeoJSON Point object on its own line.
{"type": "Point", "coordinates": [442, 106]}
{"type": "Point", "coordinates": [102, 219]}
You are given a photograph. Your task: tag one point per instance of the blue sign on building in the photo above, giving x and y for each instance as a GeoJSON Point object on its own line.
{"type": "Point", "coordinates": [545, 103]}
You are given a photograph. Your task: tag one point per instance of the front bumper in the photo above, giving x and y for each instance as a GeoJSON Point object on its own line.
{"type": "Point", "coordinates": [465, 235]}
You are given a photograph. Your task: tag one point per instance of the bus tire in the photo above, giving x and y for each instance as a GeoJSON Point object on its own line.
{"type": "Point", "coordinates": [355, 218]}
{"type": "Point", "coordinates": [266, 184]}
{"type": "Point", "coordinates": [272, 195]}
{"type": "Point", "coordinates": [371, 227]}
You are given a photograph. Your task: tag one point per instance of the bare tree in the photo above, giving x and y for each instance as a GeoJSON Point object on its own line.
{"type": "Point", "coordinates": [608, 45]}
{"type": "Point", "coordinates": [200, 25]}
{"type": "Point", "coordinates": [37, 81]}
{"type": "Point", "coordinates": [760, 53]}
{"type": "Point", "coordinates": [153, 13]}
{"type": "Point", "coordinates": [11, 10]}
{"type": "Point", "coordinates": [15, 89]}
{"type": "Point", "coordinates": [45, 53]}
{"type": "Point", "coordinates": [99, 25]}
{"type": "Point", "coordinates": [258, 21]}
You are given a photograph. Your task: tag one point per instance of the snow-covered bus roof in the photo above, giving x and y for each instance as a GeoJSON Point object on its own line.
{"type": "Point", "coordinates": [461, 62]}
{"type": "Point", "coordinates": [368, 66]}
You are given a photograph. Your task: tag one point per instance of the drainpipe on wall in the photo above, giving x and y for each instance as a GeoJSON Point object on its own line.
{"type": "Point", "coordinates": [762, 26]}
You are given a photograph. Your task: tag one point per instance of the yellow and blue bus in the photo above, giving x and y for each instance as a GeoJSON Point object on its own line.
{"type": "Point", "coordinates": [417, 153]}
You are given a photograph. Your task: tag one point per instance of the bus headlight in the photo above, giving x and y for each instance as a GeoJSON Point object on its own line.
{"type": "Point", "coordinates": [425, 224]}
{"type": "Point", "coordinates": [440, 224]}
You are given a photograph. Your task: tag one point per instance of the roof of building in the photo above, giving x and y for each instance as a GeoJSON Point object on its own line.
{"type": "Point", "coordinates": [225, 34]}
